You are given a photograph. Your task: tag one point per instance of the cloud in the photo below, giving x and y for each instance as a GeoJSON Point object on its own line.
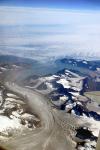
{"type": "Point", "coordinates": [24, 15]}
{"type": "Point", "coordinates": [52, 32]}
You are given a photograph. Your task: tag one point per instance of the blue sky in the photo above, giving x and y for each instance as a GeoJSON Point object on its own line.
{"type": "Point", "coordinates": [76, 4]}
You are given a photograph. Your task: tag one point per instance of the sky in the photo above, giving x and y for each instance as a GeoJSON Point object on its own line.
{"type": "Point", "coordinates": [79, 4]}
{"type": "Point", "coordinates": [41, 29]}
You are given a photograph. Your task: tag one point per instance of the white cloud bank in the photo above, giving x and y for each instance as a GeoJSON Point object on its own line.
{"type": "Point", "coordinates": [24, 31]}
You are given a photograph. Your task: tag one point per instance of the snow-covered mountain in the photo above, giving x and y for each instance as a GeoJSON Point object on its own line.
{"type": "Point", "coordinates": [65, 89]}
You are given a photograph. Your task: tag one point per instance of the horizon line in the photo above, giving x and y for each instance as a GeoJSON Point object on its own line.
{"type": "Point", "coordinates": [74, 10]}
